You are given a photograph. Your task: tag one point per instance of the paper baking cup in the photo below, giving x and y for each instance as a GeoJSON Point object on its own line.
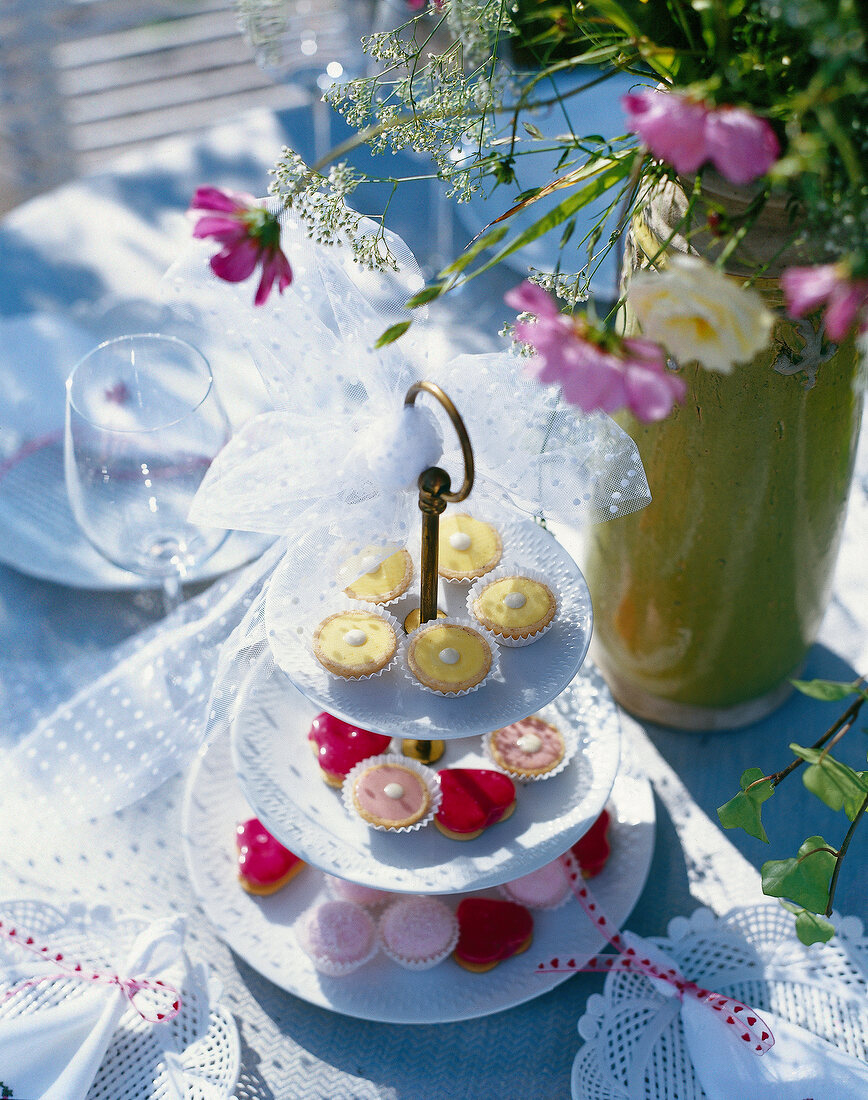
{"type": "Point", "coordinates": [494, 670]}
{"type": "Point", "coordinates": [417, 964]}
{"type": "Point", "coordinates": [332, 967]}
{"type": "Point", "coordinates": [373, 609]}
{"type": "Point", "coordinates": [571, 744]}
{"type": "Point", "coordinates": [504, 892]}
{"type": "Point", "coordinates": [500, 573]}
{"type": "Point", "coordinates": [427, 775]}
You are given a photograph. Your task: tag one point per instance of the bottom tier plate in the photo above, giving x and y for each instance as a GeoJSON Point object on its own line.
{"type": "Point", "coordinates": [260, 929]}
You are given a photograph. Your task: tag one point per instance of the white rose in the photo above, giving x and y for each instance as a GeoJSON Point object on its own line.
{"type": "Point", "coordinates": [697, 312]}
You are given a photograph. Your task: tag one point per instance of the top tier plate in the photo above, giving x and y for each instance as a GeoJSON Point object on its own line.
{"type": "Point", "coordinates": [528, 678]}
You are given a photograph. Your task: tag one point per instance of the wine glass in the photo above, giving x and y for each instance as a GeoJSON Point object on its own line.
{"type": "Point", "coordinates": [143, 423]}
{"type": "Point", "coordinates": [314, 43]}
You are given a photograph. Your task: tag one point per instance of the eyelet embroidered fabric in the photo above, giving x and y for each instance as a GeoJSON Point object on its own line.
{"type": "Point", "coordinates": [195, 1055]}
{"type": "Point", "coordinates": [634, 1041]}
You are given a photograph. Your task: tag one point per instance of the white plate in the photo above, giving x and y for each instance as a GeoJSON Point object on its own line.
{"type": "Point", "coordinates": [280, 778]}
{"type": "Point", "coordinates": [38, 533]}
{"type": "Point", "coordinates": [259, 929]}
{"type": "Point", "coordinates": [529, 677]}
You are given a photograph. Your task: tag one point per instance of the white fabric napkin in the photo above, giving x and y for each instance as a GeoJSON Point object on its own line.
{"type": "Point", "coordinates": [799, 1065]}
{"type": "Point", "coordinates": [54, 1053]}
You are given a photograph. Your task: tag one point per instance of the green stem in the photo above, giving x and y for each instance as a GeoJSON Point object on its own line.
{"type": "Point", "coordinates": [842, 851]}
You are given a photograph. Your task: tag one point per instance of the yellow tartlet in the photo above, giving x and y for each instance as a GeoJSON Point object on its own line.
{"type": "Point", "coordinates": [354, 643]}
{"type": "Point", "coordinates": [515, 607]}
{"type": "Point", "coordinates": [466, 547]}
{"type": "Point", "coordinates": [386, 581]}
{"type": "Point", "coordinates": [449, 657]}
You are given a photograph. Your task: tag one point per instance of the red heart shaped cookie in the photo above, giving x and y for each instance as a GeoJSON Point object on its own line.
{"type": "Point", "coordinates": [491, 931]}
{"type": "Point", "coordinates": [593, 849]}
{"type": "Point", "coordinates": [473, 799]}
{"type": "Point", "coordinates": [264, 865]}
{"type": "Point", "coordinates": [339, 746]}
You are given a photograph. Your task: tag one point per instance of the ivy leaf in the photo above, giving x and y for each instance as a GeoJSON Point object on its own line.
{"type": "Point", "coordinates": [829, 691]}
{"type": "Point", "coordinates": [810, 928]}
{"type": "Point", "coordinates": [392, 333]}
{"type": "Point", "coordinates": [805, 878]}
{"type": "Point", "coordinates": [834, 783]}
{"type": "Point", "coordinates": [745, 810]}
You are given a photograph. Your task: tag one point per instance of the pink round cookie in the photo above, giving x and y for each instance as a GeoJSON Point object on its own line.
{"type": "Point", "coordinates": [355, 891]}
{"type": "Point", "coordinates": [391, 792]}
{"type": "Point", "coordinates": [418, 932]}
{"type": "Point", "coordinates": [339, 937]}
{"type": "Point", "coordinates": [545, 888]}
{"type": "Point", "coordinates": [527, 749]}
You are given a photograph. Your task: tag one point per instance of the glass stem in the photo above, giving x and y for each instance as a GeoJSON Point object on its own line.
{"type": "Point", "coordinates": [173, 594]}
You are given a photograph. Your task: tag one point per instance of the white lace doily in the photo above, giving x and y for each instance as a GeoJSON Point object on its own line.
{"type": "Point", "coordinates": [260, 929]}
{"type": "Point", "coordinates": [634, 1041]}
{"type": "Point", "coordinates": [528, 678]}
{"type": "Point", "coordinates": [194, 1056]}
{"type": "Point", "coordinates": [280, 778]}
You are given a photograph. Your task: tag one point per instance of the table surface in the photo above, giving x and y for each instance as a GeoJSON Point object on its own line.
{"type": "Point", "coordinates": [108, 238]}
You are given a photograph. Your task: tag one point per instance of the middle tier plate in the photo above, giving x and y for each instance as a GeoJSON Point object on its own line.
{"type": "Point", "coordinates": [528, 677]}
{"type": "Point", "coordinates": [280, 778]}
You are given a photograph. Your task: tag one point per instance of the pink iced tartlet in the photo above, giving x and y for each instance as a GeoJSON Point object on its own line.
{"type": "Point", "coordinates": [528, 749]}
{"type": "Point", "coordinates": [339, 937]}
{"type": "Point", "coordinates": [355, 891]}
{"type": "Point", "coordinates": [545, 888]}
{"type": "Point", "coordinates": [418, 932]}
{"type": "Point", "coordinates": [391, 792]}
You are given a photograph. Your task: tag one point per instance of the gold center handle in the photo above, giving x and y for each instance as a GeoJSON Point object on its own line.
{"type": "Point", "coordinates": [434, 493]}
{"type": "Point", "coordinates": [461, 431]}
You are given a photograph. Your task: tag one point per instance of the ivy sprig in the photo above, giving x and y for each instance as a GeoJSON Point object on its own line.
{"type": "Point", "coordinates": [806, 882]}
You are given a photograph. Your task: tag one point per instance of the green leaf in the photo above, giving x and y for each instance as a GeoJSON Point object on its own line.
{"type": "Point", "coordinates": [488, 239]}
{"type": "Point", "coordinates": [805, 878]}
{"type": "Point", "coordinates": [829, 691]}
{"type": "Point", "coordinates": [810, 927]}
{"type": "Point", "coordinates": [392, 333]}
{"type": "Point", "coordinates": [534, 131]}
{"type": "Point", "coordinates": [744, 811]}
{"type": "Point", "coordinates": [834, 783]}
{"type": "Point", "coordinates": [427, 294]}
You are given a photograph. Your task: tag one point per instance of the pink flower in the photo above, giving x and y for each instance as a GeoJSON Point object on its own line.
{"type": "Point", "coordinates": [249, 234]}
{"type": "Point", "coordinates": [688, 133]}
{"type": "Point", "coordinates": [595, 370]}
{"type": "Point", "coordinates": [846, 299]}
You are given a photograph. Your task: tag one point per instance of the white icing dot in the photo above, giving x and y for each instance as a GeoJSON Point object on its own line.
{"type": "Point", "coordinates": [529, 742]}
{"type": "Point", "coordinates": [355, 637]}
{"type": "Point", "coordinates": [370, 564]}
{"type": "Point", "coordinates": [449, 656]}
{"type": "Point", "coordinates": [460, 540]}
{"type": "Point", "coordinates": [393, 790]}
{"type": "Point", "coordinates": [515, 599]}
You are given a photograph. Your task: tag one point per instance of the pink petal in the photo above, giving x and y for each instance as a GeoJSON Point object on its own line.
{"type": "Point", "coordinates": [806, 288]}
{"type": "Point", "coordinates": [650, 393]}
{"type": "Point", "coordinates": [845, 302]}
{"type": "Point", "coordinates": [235, 262]}
{"type": "Point", "coordinates": [672, 126]}
{"type": "Point", "coordinates": [217, 198]}
{"type": "Point", "coordinates": [276, 266]}
{"type": "Point", "coordinates": [219, 227]}
{"type": "Point", "coordinates": [530, 298]}
{"type": "Point", "coordinates": [740, 145]}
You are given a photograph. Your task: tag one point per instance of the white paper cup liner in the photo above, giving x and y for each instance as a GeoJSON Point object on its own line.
{"type": "Point", "coordinates": [427, 775]}
{"type": "Point", "coordinates": [449, 621]}
{"type": "Point", "coordinates": [513, 570]}
{"type": "Point", "coordinates": [373, 609]}
{"type": "Point", "coordinates": [334, 968]}
{"type": "Point", "coordinates": [418, 964]}
{"type": "Point", "coordinates": [571, 744]}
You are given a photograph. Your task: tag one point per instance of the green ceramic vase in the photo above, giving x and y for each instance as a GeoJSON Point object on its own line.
{"type": "Point", "coordinates": [707, 601]}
